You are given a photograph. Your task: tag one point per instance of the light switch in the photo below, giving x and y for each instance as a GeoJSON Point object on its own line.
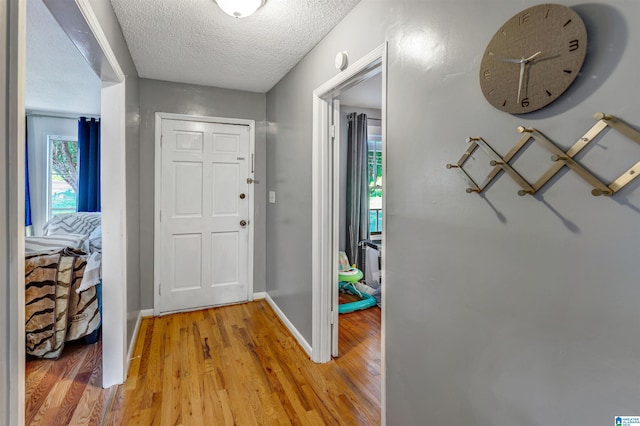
{"type": "Point", "coordinates": [272, 197]}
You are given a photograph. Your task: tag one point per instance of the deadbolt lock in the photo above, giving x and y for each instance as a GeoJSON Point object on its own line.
{"type": "Point", "coordinates": [243, 223]}
{"type": "Point", "coordinates": [242, 196]}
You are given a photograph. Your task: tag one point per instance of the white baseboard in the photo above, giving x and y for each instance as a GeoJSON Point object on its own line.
{"type": "Point", "coordinates": [259, 296]}
{"type": "Point", "coordinates": [145, 313]}
{"type": "Point", "coordinates": [301, 340]}
{"type": "Point", "coordinates": [132, 343]}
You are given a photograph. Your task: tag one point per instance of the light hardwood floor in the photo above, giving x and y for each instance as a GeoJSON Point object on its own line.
{"type": "Point", "coordinates": [238, 365]}
{"type": "Point", "coordinates": [67, 391]}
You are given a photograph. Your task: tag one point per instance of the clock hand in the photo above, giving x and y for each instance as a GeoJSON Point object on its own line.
{"type": "Point", "coordinates": [518, 61]}
{"type": "Point", "coordinates": [531, 57]}
{"type": "Point", "coordinates": [515, 61]}
{"type": "Point", "coordinates": [522, 65]}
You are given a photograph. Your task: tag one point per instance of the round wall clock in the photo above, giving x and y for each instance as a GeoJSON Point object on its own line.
{"type": "Point", "coordinates": [533, 58]}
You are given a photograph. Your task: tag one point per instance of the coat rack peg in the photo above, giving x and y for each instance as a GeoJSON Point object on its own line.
{"type": "Point", "coordinates": [472, 139]}
{"type": "Point", "coordinates": [472, 190]}
{"type": "Point", "coordinates": [597, 192]}
{"type": "Point", "coordinates": [602, 116]}
{"type": "Point", "coordinates": [452, 166]}
{"type": "Point", "coordinates": [522, 129]}
{"type": "Point", "coordinates": [555, 158]}
{"type": "Point", "coordinates": [524, 192]}
{"type": "Point", "coordinates": [496, 163]}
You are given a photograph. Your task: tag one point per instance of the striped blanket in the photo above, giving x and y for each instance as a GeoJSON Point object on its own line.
{"type": "Point", "coordinates": [54, 311]}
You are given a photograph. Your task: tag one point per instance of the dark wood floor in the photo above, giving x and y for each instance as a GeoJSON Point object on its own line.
{"type": "Point", "coordinates": [231, 365]}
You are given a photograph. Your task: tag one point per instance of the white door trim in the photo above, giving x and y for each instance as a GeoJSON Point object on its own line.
{"type": "Point", "coordinates": [159, 116]}
{"type": "Point", "coordinates": [335, 246]}
{"type": "Point", "coordinates": [114, 234]}
{"type": "Point", "coordinates": [14, 370]}
{"type": "Point", "coordinates": [324, 206]}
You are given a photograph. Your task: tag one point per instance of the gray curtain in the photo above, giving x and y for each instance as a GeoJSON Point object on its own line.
{"type": "Point", "coordinates": [357, 188]}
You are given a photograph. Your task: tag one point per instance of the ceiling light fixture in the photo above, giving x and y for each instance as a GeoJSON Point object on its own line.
{"type": "Point", "coordinates": [240, 8]}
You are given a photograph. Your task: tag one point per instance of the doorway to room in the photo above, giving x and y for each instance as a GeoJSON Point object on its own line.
{"type": "Point", "coordinates": [326, 189]}
{"type": "Point", "coordinates": [359, 172]}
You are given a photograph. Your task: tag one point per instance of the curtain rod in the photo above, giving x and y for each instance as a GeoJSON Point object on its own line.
{"type": "Point", "coordinates": [68, 117]}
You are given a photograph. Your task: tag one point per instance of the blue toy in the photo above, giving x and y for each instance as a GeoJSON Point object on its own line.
{"type": "Point", "coordinates": [347, 279]}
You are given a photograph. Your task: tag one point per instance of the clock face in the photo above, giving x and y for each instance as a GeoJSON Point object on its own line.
{"type": "Point", "coordinates": [533, 58]}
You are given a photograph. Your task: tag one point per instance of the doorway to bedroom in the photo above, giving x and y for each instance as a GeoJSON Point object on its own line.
{"type": "Point", "coordinates": [81, 25]}
{"type": "Point", "coordinates": [63, 240]}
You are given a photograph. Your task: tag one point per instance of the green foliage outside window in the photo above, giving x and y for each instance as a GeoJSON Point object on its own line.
{"type": "Point", "coordinates": [64, 176]}
{"type": "Point", "coordinates": [64, 162]}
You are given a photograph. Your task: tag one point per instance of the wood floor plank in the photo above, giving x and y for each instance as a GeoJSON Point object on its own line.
{"type": "Point", "coordinates": [67, 390]}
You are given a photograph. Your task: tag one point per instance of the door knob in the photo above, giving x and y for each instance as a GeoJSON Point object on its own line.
{"type": "Point", "coordinates": [243, 223]}
{"type": "Point", "coordinates": [242, 196]}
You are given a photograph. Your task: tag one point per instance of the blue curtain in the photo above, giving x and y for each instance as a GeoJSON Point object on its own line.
{"type": "Point", "coordinates": [27, 196]}
{"type": "Point", "coordinates": [89, 167]}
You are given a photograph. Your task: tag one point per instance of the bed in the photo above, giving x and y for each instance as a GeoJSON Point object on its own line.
{"type": "Point", "coordinates": [63, 284]}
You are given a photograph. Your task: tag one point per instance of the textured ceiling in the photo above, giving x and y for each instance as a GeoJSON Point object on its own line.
{"type": "Point", "coordinates": [193, 41]}
{"type": "Point", "coordinates": [58, 78]}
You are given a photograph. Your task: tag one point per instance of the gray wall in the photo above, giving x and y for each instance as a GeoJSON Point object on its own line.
{"type": "Point", "coordinates": [500, 309]}
{"type": "Point", "coordinates": [164, 96]}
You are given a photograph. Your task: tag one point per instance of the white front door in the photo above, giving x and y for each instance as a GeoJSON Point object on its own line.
{"type": "Point", "coordinates": [204, 217]}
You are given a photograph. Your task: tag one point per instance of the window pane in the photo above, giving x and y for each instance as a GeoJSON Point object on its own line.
{"type": "Point", "coordinates": [63, 177]}
{"type": "Point", "coordinates": [373, 221]}
{"type": "Point", "coordinates": [374, 163]}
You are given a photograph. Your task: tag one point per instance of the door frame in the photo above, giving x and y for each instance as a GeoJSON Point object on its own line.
{"type": "Point", "coordinates": [325, 205]}
{"type": "Point", "coordinates": [113, 89]}
{"type": "Point", "coordinates": [159, 116]}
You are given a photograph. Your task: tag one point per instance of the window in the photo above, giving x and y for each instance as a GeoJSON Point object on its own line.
{"type": "Point", "coordinates": [62, 176]}
{"type": "Point", "coordinates": [374, 166]}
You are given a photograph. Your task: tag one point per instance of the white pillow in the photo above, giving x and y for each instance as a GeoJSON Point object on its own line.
{"type": "Point", "coordinates": [47, 243]}
{"type": "Point", "coordinates": [72, 223]}
{"type": "Point", "coordinates": [95, 240]}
